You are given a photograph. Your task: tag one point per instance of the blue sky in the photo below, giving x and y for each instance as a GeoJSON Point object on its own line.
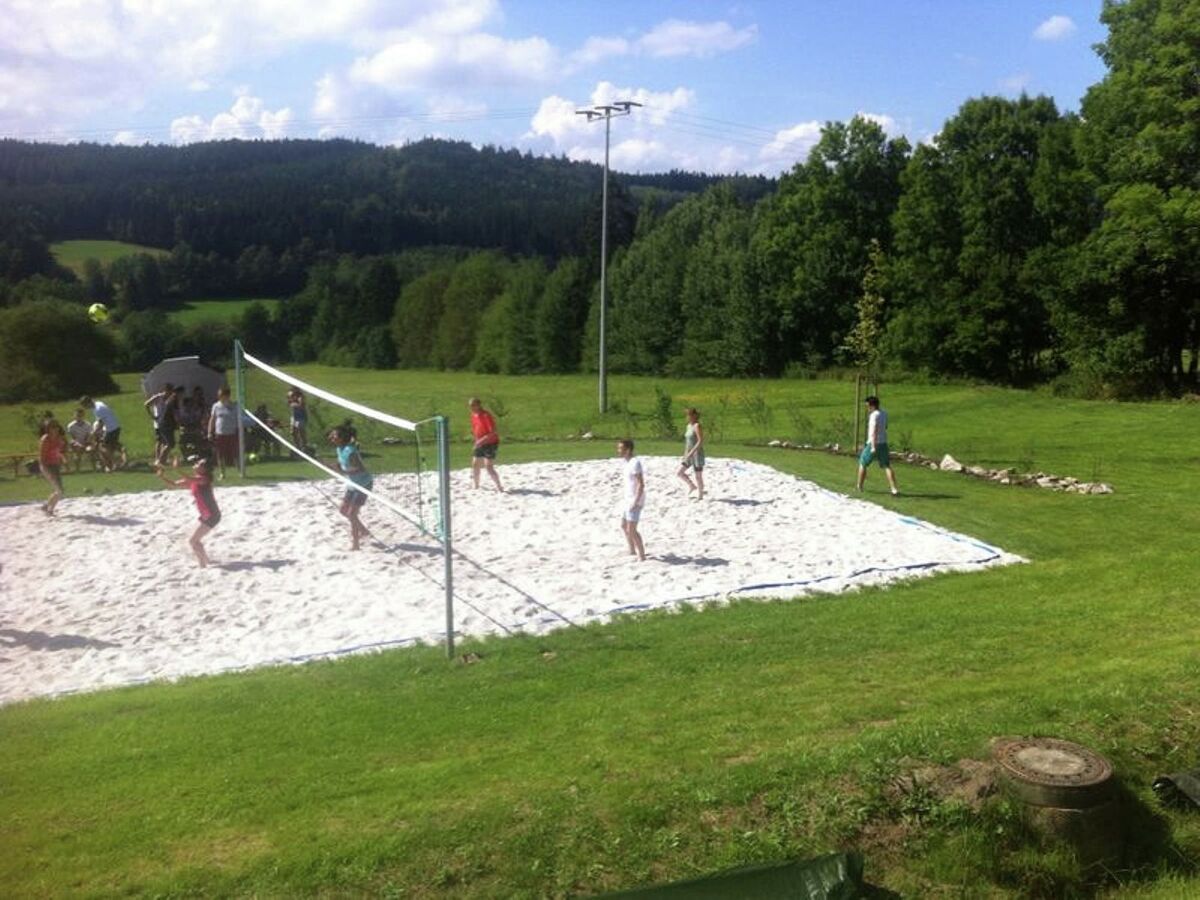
{"type": "Point", "coordinates": [727, 86]}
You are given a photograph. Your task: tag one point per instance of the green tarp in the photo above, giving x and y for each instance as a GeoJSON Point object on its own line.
{"type": "Point", "coordinates": [834, 877]}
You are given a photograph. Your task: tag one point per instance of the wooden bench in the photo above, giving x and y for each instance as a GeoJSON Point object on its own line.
{"type": "Point", "coordinates": [17, 459]}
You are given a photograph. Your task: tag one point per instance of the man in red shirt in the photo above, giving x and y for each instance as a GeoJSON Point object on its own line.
{"type": "Point", "coordinates": [483, 427]}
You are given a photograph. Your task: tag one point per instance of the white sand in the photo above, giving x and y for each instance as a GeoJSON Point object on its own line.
{"type": "Point", "coordinates": [108, 593]}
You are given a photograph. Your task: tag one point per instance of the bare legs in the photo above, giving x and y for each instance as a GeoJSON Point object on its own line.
{"type": "Point", "coordinates": [197, 543]}
{"type": "Point", "coordinates": [697, 486]}
{"type": "Point", "coordinates": [891, 477]}
{"type": "Point", "coordinates": [634, 539]}
{"type": "Point", "coordinates": [480, 462]}
{"type": "Point", "coordinates": [350, 509]}
{"type": "Point", "coordinates": [55, 496]}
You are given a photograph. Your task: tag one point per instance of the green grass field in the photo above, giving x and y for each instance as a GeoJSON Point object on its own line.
{"type": "Point", "coordinates": [666, 746]}
{"type": "Point", "coordinates": [194, 312]}
{"type": "Point", "coordinates": [72, 254]}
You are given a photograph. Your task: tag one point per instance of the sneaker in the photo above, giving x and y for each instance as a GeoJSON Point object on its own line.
{"type": "Point", "coordinates": [895, 493]}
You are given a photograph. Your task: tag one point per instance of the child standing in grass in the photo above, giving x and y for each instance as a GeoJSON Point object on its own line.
{"type": "Point", "coordinates": [876, 447]}
{"type": "Point", "coordinates": [52, 450]}
{"type": "Point", "coordinates": [200, 484]}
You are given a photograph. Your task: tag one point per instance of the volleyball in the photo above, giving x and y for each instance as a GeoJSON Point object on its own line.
{"type": "Point", "coordinates": [98, 312]}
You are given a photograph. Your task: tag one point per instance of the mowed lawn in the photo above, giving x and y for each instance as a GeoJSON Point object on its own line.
{"type": "Point", "coordinates": [72, 254]}
{"type": "Point", "coordinates": [670, 745]}
{"type": "Point", "coordinates": [195, 312]}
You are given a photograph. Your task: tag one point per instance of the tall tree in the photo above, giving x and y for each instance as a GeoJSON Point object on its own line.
{"type": "Point", "coordinates": [507, 342]}
{"type": "Point", "coordinates": [475, 284]}
{"type": "Point", "coordinates": [1132, 319]}
{"type": "Point", "coordinates": [417, 314]}
{"type": "Point", "coordinates": [964, 230]}
{"type": "Point", "coordinates": [561, 315]}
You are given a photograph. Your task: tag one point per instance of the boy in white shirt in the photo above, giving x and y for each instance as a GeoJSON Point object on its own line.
{"type": "Point", "coordinates": [635, 498]}
{"type": "Point", "coordinates": [876, 447]}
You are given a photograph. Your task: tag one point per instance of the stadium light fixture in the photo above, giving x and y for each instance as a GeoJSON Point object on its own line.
{"type": "Point", "coordinates": [607, 112]}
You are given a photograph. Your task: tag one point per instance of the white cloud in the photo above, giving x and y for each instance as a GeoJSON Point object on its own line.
{"type": "Point", "coordinates": [418, 61]}
{"type": "Point", "coordinates": [1016, 83]}
{"type": "Point", "coordinates": [791, 145]}
{"type": "Point", "coordinates": [128, 139]}
{"type": "Point", "coordinates": [247, 118]}
{"type": "Point", "coordinates": [675, 37]}
{"type": "Point", "coordinates": [556, 117]}
{"type": "Point", "coordinates": [1055, 28]}
{"type": "Point", "coordinates": [889, 125]}
{"type": "Point", "coordinates": [672, 38]}
{"type": "Point", "coordinates": [75, 57]}
{"type": "Point", "coordinates": [595, 49]}
{"type": "Point", "coordinates": [665, 133]}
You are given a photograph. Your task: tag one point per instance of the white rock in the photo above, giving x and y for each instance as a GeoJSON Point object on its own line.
{"type": "Point", "coordinates": [950, 464]}
{"type": "Point", "coordinates": [774, 443]}
{"type": "Point", "coordinates": [587, 436]}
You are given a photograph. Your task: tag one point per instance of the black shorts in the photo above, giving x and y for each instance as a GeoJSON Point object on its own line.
{"type": "Point", "coordinates": [212, 520]}
{"type": "Point", "coordinates": [486, 451]}
{"type": "Point", "coordinates": [53, 475]}
{"type": "Point", "coordinates": [112, 438]}
{"type": "Point", "coordinates": [166, 436]}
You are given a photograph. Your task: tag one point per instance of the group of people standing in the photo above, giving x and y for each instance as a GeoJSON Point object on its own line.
{"type": "Point", "coordinates": [99, 441]}
{"type": "Point", "coordinates": [219, 423]}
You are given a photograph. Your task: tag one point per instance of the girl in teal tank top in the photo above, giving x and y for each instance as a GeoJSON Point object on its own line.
{"type": "Point", "coordinates": [350, 462]}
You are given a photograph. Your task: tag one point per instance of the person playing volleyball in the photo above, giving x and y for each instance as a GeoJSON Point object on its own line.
{"type": "Point", "coordinates": [201, 486]}
{"type": "Point", "coordinates": [635, 498]}
{"type": "Point", "coordinates": [52, 451]}
{"type": "Point", "coordinates": [350, 462]}
{"type": "Point", "coordinates": [693, 453]}
{"type": "Point", "coordinates": [487, 442]}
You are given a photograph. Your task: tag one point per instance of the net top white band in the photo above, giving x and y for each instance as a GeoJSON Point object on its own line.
{"type": "Point", "coordinates": [402, 513]}
{"type": "Point", "coordinates": [332, 398]}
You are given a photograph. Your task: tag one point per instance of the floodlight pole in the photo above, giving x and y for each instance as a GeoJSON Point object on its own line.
{"type": "Point", "coordinates": [607, 113]}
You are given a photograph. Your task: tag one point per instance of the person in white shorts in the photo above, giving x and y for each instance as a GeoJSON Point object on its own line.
{"type": "Point", "coordinates": [635, 498]}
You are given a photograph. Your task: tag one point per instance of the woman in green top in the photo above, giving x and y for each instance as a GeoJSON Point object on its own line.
{"type": "Point", "coordinates": [693, 453]}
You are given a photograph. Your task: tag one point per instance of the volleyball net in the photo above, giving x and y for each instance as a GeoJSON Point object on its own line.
{"type": "Point", "coordinates": [283, 416]}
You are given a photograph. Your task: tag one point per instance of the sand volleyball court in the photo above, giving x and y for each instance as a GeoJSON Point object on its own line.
{"type": "Point", "coordinates": [107, 593]}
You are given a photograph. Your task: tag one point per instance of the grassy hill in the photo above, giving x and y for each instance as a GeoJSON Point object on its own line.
{"type": "Point", "coordinates": [72, 254]}
{"type": "Point", "coordinates": [224, 310]}
{"type": "Point", "coordinates": [666, 746]}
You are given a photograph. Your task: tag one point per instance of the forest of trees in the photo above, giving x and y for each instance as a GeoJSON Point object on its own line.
{"type": "Point", "coordinates": [1022, 245]}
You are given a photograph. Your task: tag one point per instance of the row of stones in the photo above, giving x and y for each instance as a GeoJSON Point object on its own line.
{"type": "Point", "coordinates": [999, 476]}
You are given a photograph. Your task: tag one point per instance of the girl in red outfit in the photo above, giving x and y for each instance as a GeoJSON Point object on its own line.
{"type": "Point", "coordinates": [52, 450]}
{"type": "Point", "coordinates": [487, 442]}
{"type": "Point", "coordinates": [200, 484]}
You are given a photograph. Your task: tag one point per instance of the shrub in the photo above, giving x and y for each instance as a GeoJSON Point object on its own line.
{"type": "Point", "coordinates": [50, 350]}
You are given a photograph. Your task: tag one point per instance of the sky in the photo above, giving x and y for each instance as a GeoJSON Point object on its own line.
{"type": "Point", "coordinates": [724, 86]}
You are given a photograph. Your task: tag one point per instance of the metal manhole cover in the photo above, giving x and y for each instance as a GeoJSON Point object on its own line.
{"type": "Point", "coordinates": [1050, 772]}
